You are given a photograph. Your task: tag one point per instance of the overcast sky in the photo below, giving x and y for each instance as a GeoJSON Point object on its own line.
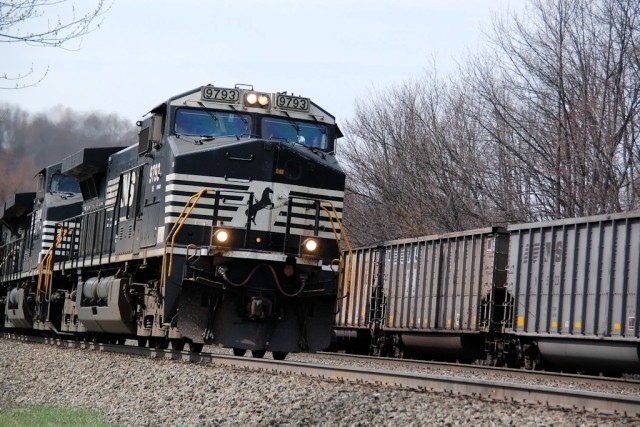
{"type": "Point", "coordinates": [332, 51]}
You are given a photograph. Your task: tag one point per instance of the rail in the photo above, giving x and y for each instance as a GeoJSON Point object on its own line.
{"type": "Point", "coordinates": [558, 396]}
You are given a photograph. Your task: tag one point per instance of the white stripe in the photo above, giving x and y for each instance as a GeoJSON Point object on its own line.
{"type": "Point", "coordinates": [197, 179]}
{"type": "Point", "coordinates": [275, 228]}
{"type": "Point", "coordinates": [51, 225]}
{"type": "Point", "coordinates": [244, 203]}
{"type": "Point", "coordinates": [196, 211]}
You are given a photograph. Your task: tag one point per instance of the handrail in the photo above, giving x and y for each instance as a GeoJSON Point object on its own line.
{"type": "Point", "coordinates": [10, 252]}
{"type": "Point", "coordinates": [195, 198]}
{"type": "Point", "coordinates": [13, 259]}
{"type": "Point", "coordinates": [177, 226]}
{"type": "Point", "coordinates": [48, 260]}
{"type": "Point", "coordinates": [347, 243]}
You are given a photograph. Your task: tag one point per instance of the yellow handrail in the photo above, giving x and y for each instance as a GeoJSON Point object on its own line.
{"type": "Point", "coordinates": [347, 243]}
{"type": "Point", "coordinates": [182, 218]}
{"type": "Point", "coordinates": [47, 260]}
{"type": "Point", "coordinates": [9, 253]}
{"type": "Point", "coordinates": [193, 201]}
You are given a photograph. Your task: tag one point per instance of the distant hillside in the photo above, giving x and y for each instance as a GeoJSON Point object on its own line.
{"type": "Point", "coordinates": [29, 142]}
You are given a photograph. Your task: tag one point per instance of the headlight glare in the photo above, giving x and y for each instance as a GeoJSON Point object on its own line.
{"type": "Point", "coordinates": [251, 98]}
{"type": "Point", "coordinates": [310, 245]}
{"type": "Point", "coordinates": [221, 236]}
{"type": "Point", "coordinates": [263, 100]}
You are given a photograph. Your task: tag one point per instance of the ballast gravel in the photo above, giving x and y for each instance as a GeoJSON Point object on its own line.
{"type": "Point", "coordinates": [138, 391]}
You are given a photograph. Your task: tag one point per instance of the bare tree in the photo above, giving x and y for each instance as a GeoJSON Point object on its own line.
{"type": "Point", "coordinates": [544, 126]}
{"type": "Point", "coordinates": [560, 95]}
{"type": "Point", "coordinates": [50, 23]}
{"type": "Point", "coordinates": [416, 163]}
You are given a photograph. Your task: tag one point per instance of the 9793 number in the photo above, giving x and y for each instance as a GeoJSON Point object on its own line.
{"type": "Point", "coordinates": [211, 93]}
{"type": "Point", "coordinates": [292, 103]}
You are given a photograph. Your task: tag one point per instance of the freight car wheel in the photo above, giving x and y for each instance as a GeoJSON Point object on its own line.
{"type": "Point", "coordinates": [142, 342]}
{"type": "Point", "coordinates": [239, 351]}
{"type": "Point", "coordinates": [177, 344]}
{"type": "Point", "coordinates": [161, 343]}
{"type": "Point", "coordinates": [258, 354]}
{"type": "Point", "coordinates": [195, 347]}
{"type": "Point", "coordinates": [279, 355]}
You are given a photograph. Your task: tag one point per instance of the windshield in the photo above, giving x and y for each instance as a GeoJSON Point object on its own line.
{"type": "Point", "coordinates": [312, 135]}
{"type": "Point", "coordinates": [64, 184]}
{"type": "Point", "coordinates": [211, 123]}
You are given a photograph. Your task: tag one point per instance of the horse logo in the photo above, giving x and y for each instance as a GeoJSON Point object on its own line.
{"type": "Point", "coordinates": [265, 201]}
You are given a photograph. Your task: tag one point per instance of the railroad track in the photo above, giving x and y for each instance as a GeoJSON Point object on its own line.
{"type": "Point", "coordinates": [543, 376]}
{"type": "Point", "coordinates": [509, 392]}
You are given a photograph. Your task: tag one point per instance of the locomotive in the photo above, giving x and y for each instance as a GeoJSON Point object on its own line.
{"type": "Point", "coordinates": [221, 225]}
{"type": "Point", "coordinates": [560, 295]}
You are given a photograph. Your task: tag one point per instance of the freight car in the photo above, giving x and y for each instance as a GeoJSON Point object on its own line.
{"type": "Point", "coordinates": [221, 225]}
{"type": "Point", "coordinates": [559, 294]}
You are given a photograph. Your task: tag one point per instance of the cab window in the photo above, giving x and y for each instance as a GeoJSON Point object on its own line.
{"type": "Point", "coordinates": [64, 184]}
{"type": "Point", "coordinates": [196, 122]}
{"type": "Point", "coordinates": [309, 134]}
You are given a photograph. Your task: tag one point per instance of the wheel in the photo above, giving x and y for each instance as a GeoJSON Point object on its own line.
{"type": "Point", "coordinates": [121, 341]}
{"type": "Point", "coordinates": [161, 343]}
{"type": "Point", "coordinates": [177, 345]}
{"type": "Point", "coordinates": [258, 354]}
{"type": "Point", "coordinates": [279, 355]}
{"type": "Point", "coordinates": [195, 347]}
{"type": "Point", "coordinates": [142, 342]}
{"type": "Point", "coordinates": [239, 351]}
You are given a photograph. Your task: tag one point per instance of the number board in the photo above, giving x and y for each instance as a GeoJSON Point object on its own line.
{"type": "Point", "coordinates": [286, 102]}
{"type": "Point", "coordinates": [220, 94]}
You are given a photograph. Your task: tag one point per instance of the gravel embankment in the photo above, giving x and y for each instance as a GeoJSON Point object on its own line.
{"type": "Point", "coordinates": [148, 392]}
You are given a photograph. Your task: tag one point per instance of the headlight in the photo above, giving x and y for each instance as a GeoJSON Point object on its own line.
{"type": "Point", "coordinates": [252, 98]}
{"type": "Point", "coordinates": [310, 245]}
{"type": "Point", "coordinates": [255, 99]}
{"type": "Point", "coordinates": [263, 100]}
{"type": "Point", "coordinates": [221, 236]}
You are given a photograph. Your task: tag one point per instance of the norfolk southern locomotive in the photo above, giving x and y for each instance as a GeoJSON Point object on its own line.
{"type": "Point", "coordinates": [560, 294]}
{"type": "Point", "coordinates": [221, 225]}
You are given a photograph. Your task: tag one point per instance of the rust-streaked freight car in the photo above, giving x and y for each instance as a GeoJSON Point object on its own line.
{"type": "Point", "coordinates": [575, 288]}
{"type": "Point", "coordinates": [360, 311]}
{"type": "Point", "coordinates": [434, 295]}
{"type": "Point", "coordinates": [559, 294]}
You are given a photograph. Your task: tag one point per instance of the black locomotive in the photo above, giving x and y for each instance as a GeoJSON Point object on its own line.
{"type": "Point", "coordinates": [221, 225]}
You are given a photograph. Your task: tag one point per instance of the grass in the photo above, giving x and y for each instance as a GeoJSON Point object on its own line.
{"type": "Point", "coordinates": [50, 416]}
